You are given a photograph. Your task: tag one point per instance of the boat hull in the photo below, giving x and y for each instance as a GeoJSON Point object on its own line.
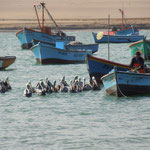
{"type": "Point", "coordinates": [92, 47]}
{"type": "Point", "coordinates": [99, 67]}
{"type": "Point", "coordinates": [74, 47]}
{"type": "Point", "coordinates": [26, 36]}
{"type": "Point", "coordinates": [120, 83]}
{"type": "Point", "coordinates": [6, 61]}
{"type": "Point", "coordinates": [143, 46]}
{"type": "Point", "coordinates": [117, 38]}
{"type": "Point", "coordinates": [47, 54]}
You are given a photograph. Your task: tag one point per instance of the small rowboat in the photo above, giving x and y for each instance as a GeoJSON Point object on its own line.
{"type": "Point", "coordinates": [123, 83]}
{"type": "Point", "coordinates": [6, 61]}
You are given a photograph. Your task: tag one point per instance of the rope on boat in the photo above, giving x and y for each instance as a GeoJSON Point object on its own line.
{"type": "Point", "coordinates": [121, 91]}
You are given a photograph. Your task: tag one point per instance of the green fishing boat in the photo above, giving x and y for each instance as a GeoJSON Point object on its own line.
{"type": "Point", "coordinates": [143, 46]}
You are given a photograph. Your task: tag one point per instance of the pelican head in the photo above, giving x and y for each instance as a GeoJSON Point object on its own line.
{"type": "Point", "coordinates": [76, 77]}
{"type": "Point", "coordinates": [6, 79]}
{"type": "Point", "coordinates": [93, 78]}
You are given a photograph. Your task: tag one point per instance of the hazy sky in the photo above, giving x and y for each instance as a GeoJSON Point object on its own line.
{"type": "Point", "coordinates": [23, 9]}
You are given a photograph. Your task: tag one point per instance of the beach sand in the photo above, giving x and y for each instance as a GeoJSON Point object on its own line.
{"type": "Point", "coordinates": [75, 14]}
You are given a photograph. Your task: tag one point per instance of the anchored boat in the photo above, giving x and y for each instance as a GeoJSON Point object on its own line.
{"type": "Point", "coordinates": [46, 53]}
{"type": "Point", "coordinates": [6, 61]}
{"type": "Point", "coordinates": [45, 33]}
{"type": "Point", "coordinates": [123, 83]}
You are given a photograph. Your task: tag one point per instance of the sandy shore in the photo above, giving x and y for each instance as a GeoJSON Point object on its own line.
{"type": "Point", "coordinates": [72, 24]}
{"type": "Point", "coordinates": [75, 14]}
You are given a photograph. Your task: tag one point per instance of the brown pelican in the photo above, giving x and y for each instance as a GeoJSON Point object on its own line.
{"type": "Point", "coordinates": [80, 85]}
{"type": "Point", "coordinates": [40, 88]}
{"type": "Point", "coordinates": [94, 84]}
{"type": "Point", "coordinates": [6, 84]}
{"type": "Point", "coordinates": [86, 86]}
{"type": "Point", "coordinates": [48, 86]}
{"type": "Point", "coordinates": [27, 91]}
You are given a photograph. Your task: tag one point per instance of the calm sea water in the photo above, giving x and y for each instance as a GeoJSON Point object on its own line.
{"type": "Point", "coordinates": [88, 120]}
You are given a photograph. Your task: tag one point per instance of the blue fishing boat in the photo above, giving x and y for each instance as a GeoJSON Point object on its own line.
{"type": "Point", "coordinates": [74, 46]}
{"type": "Point", "coordinates": [99, 67]}
{"type": "Point", "coordinates": [123, 83]}
{"type": "Point", "coordinates": [45, 33]}
{"type": "Point", "coordinates": [126, 34]}
{"type": "Point", "coordinates": [46, 53]}
{"type": "Point", "coordinates": [116, 38]}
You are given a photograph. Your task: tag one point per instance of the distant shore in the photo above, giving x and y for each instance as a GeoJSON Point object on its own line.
{"type": "Point", "coordinates": [73, 24]}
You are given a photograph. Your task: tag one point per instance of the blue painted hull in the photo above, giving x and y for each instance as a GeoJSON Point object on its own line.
{"type": "Point", "coordinates": [47, 54]}
{"type": "Point", "coordinates": [26, 36]}
{"type": "Point", "coordinates": [86, 47]}
{"type": "Point", "coordinates": [92, 47]}
{"type": "Point", "coordinates": [99, 67]}
{"type": "Point", "coordinates": [120, 83]}
{"type": "Point", "coordinates": [128, 31]}
{"type": "Point", "coordinates": [117, 38]}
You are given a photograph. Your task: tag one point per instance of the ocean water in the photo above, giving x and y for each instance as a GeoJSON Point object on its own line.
{"type": "Point", "coordinates": [63, 121]}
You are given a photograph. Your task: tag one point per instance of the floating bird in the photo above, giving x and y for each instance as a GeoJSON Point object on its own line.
{"type": "Point", "coordinates": [86, 86]}
{"type": "Point", "coordinates": [27, 91]}
{"type": "Point", "coordinates": [94, 84]}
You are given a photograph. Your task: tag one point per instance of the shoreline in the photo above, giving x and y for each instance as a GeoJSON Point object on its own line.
{"type": "Point", "coordinates": [73, 24]}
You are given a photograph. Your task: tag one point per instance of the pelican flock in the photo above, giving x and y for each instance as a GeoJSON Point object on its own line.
{"type": "Point", "coordinates": [76, 85]}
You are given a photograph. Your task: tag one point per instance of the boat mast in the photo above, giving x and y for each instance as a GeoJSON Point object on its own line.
{"type": "Point", "coordinates": [43, 5]}
{"type": "Point", "coordinates": [122, 14]}
{"type": "Point", "coordinates": [38, 18]}
{"type": "Point", "coordinates": [108, 34]}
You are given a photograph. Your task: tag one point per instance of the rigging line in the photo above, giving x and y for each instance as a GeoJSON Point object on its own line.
{"type": "Point", "coordinates": [121, 91]}
{"type": "Point", "coordinates": [50, 16]}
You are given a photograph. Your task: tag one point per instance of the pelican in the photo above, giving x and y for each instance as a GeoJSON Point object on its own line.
{"type": "Point", "coordinates": [40, 88]}
{"type": "Point", "coordinates": [94, 84]}
{"type": "Point", "coordinates": [63, 88]}
{"type": "Point", "coordinates": [2, 90]}
{"type": "Point", "coordinates": [31, 87]}
{"type": "Point", "coordinates": [63, 81]}
{"type": "Point", "coordinates": [27, 91]}
{"type": "Point", "coordinates": [80, 85]}
{"type": "Point", "coordinates": [54, 89]}
{"type": "Point", "coordinates": [5, 84]}
{"type": "Point", "coordinates": [48, 86]}
{"type": "Point", "coordinates": [86, 87]}
{"type": "Point", "coordinates": [72, 87]}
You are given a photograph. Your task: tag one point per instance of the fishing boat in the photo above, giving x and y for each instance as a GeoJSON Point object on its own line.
{"type": "Point", "coordinates": [143, 46]}
{"type": "Point", "coordinates": [6, 61]}
{"type": "Point", "coordinates": [45, 33]}
{"type": "Point", "coordinates": [126, 34]}
{"type": "Point", "coordinates": [45, 53]}
{"type": "Point", "coordinates": [116, 38]}
{"type": "Point", "coordinates": [73, 45]}
{"type": "Point", "coordinates": [123, 83]}
{"type": "Point", "coordinates": [99, 67]}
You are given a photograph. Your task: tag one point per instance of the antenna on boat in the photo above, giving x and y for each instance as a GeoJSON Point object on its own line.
{"type": "Point", "coordinates": [108, 33]}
